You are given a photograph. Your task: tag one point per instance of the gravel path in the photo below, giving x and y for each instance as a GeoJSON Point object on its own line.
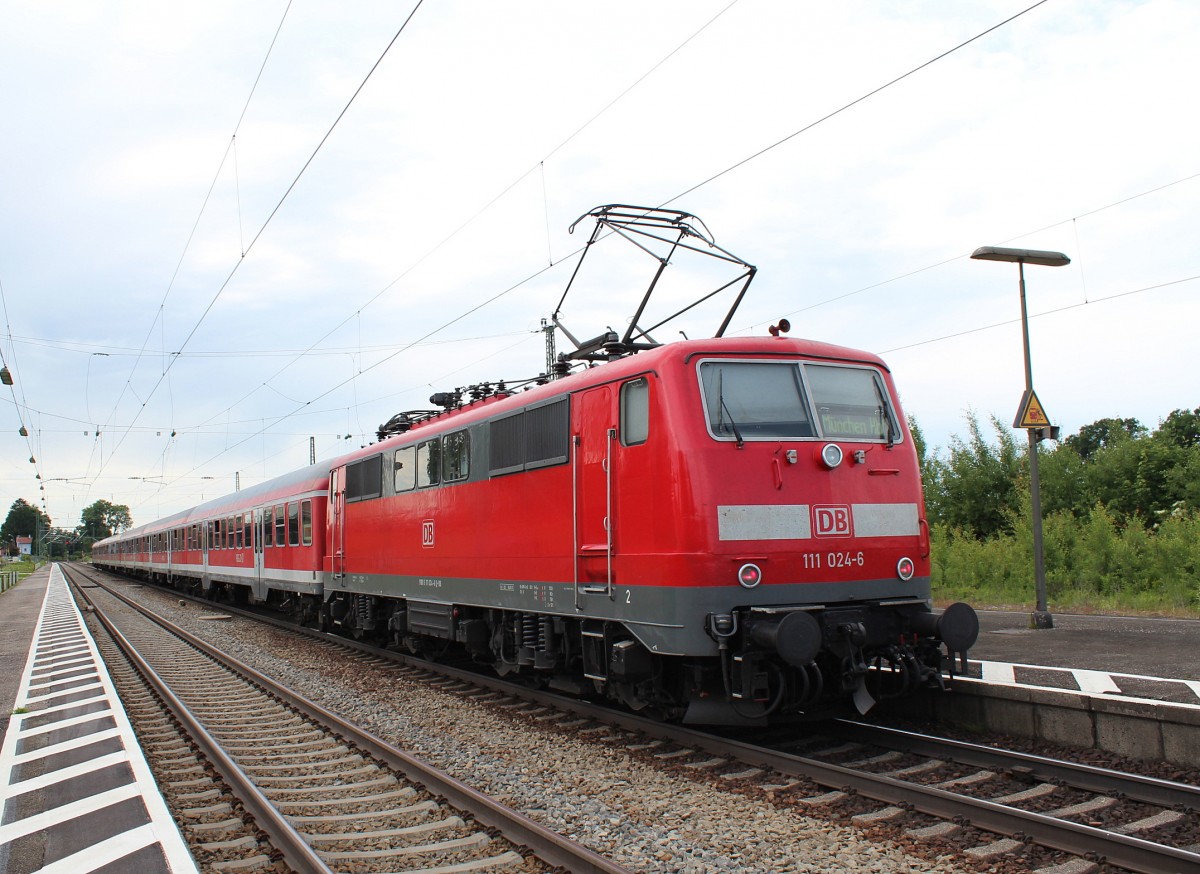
{"type": "Point", "coordinates": [597, 793]}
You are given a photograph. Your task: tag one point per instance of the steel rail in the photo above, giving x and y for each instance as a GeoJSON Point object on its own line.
{"type": "Point", "coordinates": [1135, 854]}
{"type": "Point", "coordinates": [284, 838]}
{"type": "Point", "coordinates": [549, 846]}
{"type": "Point", "coordinates": [1136, 787]}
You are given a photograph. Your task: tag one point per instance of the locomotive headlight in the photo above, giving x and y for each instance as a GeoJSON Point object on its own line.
{"type": "Point", "coordinates": [749, 575]}
{"type": "Point", "coordinates": [831, 455]}
{"type": "Point", "coordinates": [905, 568]}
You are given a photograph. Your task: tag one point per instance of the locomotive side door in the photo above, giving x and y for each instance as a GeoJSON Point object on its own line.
{"type": "Point", "coordinates": [337, 525]}
{"type": "Point", "coordinates": [594, 436]}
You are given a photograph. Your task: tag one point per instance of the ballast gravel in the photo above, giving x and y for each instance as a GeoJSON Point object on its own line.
{"type": "Point", "coordinates": [593, 791]}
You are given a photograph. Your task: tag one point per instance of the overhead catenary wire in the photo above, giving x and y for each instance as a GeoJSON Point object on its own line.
{"type": "Point", "coordinates": [537, 166]}
{"type": "Point", "coordinates": [159, 313]}
{"type": "Point", "coordinates": [1062, 309]}
{"type": "Point", "coordinates": [710, 179]}
{"type": "Point", "coordinates": [950, 260]}
{"type": "Point", "coordinates": [225, 284]}
{"type": "Point", "coordinates": [26, 429]}
{"type": "Point", "coordinates": [308, 409]}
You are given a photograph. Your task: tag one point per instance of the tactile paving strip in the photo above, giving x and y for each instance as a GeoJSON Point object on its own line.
{"type": "Point", "coordinates": [75, 789]}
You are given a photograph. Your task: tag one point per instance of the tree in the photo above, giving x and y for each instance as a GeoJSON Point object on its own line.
{"type": "Point", "coordinates": [975, 490]}
{"type": "Point", "coordinates": [24, 520]}
{"type": "Point", "coordinates": [1104, 433]}
{"type": "Point", "coordinates": [103, 519]}
{"type": "Point", "coordinates": [1181, 429]}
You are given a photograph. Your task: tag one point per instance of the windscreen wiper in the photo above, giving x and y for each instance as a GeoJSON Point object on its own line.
{"type": "Point", "coordinates": [723, 410]}
{"type": "Point", "coordinates": [733, 425]}
{"type": "Point", "coordinates": [883, 412]}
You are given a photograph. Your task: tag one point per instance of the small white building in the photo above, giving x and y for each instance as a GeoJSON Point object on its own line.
{"type": "Point", "coordinates": [24, 545]}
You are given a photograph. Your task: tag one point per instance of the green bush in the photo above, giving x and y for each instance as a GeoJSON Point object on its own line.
{"type": "Point", "coordinates": [1092, 564]}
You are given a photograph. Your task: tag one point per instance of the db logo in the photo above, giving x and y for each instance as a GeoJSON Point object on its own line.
{"type": "Point", "coordinates": [427, 533]}
{"type": "Point", "coordinates": [832, 520]}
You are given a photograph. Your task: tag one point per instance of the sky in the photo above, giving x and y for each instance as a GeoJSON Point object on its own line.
{"type": "Point", "coordinates": [230, 232]}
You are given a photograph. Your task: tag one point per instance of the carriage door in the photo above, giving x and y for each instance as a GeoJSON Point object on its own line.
{"type": "Point", "coordinates": [258, 547]}
{"type": "Point", "coordinates": [594, 436]}
{"type": "Point", "coordinates": [337, 525]}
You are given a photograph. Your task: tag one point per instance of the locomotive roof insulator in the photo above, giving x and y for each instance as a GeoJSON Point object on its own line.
{"type": "Point", "coordinates": [402, 422]}
{"type": "Point", "coordinates": [446, 399]}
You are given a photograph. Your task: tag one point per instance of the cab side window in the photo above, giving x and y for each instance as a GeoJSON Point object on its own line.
{"type": "Point", "coordinates": [635, 412]}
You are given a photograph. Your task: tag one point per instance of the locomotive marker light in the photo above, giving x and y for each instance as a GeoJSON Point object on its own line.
{"type": "Point", "coordinates": [749, 575]}
{"type": "Point", "coordinates": [1041, 617]}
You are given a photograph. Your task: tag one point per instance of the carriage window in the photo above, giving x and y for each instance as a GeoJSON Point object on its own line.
{"type": "Point", "coordinates": [635, 412]}
{"type": "Point", "coordinates": [404, 469]}
{"type": "Point", "coordinates": [306, 523]}
{"type": "Point", "coordinates": [851, 403]}
{"type": "Point", "coordinates": [280, 526]}
{"type": "Point", "coordinates": [269, 526]}
{"type": "Point", "coordinates": [456, 456]}
{"type": "Point", "coordinates": [429, 462]}
{"type": "Point", "coordinates": [293, 524]}
{"type": "Point", "coordinates": [754, 400]}
{"type": "Point", "coordinates": [247, 522]}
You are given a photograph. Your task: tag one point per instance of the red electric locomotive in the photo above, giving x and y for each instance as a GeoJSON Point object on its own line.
{"type": "Point", "coordinates": [712, 530]}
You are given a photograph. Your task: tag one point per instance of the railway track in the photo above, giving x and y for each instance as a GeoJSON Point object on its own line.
{"type": "Point", "coordinates": [985, 804]}
{"type": "Point", "coordinates": [297, 784]}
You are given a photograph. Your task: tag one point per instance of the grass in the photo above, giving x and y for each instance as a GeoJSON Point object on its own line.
{"type": "Point", "coordinates": [1093, 566]}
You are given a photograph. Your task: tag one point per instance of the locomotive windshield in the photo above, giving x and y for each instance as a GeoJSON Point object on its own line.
{"type": "Point", "coordinates": [851, 403]}
{"type": "Point", "coordinates": [777, 400]}
{"type": "Point", "coordinates": [755, 399]}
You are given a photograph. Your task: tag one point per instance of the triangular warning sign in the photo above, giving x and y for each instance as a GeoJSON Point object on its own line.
{"type": "Point", "coordinates": [1031, 413]}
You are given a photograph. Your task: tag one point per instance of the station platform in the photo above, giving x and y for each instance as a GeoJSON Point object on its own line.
{"type": "Point", "coordinates": [76, 793]}
{"type": "Point", "coordinates": [1140, 658]}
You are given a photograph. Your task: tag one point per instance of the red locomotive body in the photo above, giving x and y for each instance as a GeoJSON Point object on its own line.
{"type": "Point", "coordinates": [726, 526]}
{"type": "Point", "coordinates": [714, 530]}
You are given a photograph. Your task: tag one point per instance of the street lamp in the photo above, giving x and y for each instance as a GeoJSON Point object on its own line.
{"type": "Point", "coordinates": [1030, 416]}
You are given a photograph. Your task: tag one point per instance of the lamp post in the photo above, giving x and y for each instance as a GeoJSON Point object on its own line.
{"type": "Point", "coordinates": [1030, 415]}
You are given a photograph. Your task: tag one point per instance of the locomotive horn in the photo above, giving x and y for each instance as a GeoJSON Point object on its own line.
{"type": "Point", "coordinates": [796, 637]}
{"type": "Point", "coordinates": [782, 328]}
